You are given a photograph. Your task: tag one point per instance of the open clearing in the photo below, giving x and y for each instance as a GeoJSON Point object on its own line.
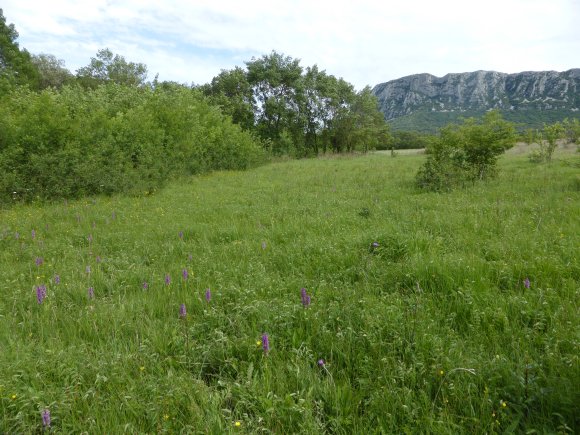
{"type": "Point", "coordinates": [446, 313]}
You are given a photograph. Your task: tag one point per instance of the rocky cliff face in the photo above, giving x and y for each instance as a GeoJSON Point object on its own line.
{"type": "Point", "coordinates": [479, 91]}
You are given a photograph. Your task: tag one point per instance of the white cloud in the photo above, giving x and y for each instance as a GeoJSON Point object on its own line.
{"type": "Point", "coordinates": [366, 42]}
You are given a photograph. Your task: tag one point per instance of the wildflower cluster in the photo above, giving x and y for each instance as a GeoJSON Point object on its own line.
{"type": "Point", "coordinates": [304, 297]}
{"type": "Point", "coordinates": [40, 293]}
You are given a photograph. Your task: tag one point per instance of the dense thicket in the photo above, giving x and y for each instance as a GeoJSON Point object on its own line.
{"type": "Point", "coordinates": [112, 138]}
{"type": "Point", "coordinates": [105, 129]}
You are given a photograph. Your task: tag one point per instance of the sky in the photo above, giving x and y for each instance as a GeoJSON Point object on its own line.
{"type": "Point", "coordinates": [365, 42]}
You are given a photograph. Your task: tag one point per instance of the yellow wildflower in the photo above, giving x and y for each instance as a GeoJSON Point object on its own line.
{"type": "Point", "coordinates": [238, 423]}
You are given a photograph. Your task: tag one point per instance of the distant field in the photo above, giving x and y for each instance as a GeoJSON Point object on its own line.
{"type": "Point", "coordinates": [428, 313]}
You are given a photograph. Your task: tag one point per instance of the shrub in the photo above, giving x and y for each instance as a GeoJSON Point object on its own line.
{"type": "Point", "coordinates": [547, 140]}
{"type": "Point", "coordinates": [114, 138]}
{"type": "Point", "coordinates": [572, 130]}
{"type": "Point", "coordinates": [466, 152]}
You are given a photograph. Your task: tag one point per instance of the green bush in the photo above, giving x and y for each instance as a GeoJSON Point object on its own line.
{"type": "Point", "coordinates": [548, 141]}
{"type": "Point", "coordinates": [572, 130]}
{"type": "Point", "coordinates": [114, 138]}
{"type": "Point", "coordinates": [466, 152]}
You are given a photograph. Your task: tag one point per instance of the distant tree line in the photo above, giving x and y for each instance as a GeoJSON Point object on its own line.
{"type": "Point", "coordinates": [403, 140]}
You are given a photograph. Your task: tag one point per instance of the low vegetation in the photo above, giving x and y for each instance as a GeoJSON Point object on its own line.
{"type": "Point", "coordinates": [547, 139]}
{"type": "Point", "coordinates": [450, 313]}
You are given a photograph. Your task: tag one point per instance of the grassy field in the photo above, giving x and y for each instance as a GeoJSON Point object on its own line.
{"type": "Point", "coordinates": [429, 313]}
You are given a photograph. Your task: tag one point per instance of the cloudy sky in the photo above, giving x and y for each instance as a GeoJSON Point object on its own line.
{"type": "Point", "coordinates": [365, 42]}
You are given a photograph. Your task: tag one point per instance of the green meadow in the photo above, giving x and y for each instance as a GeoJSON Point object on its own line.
{"type": "Point", "coordinates": [428, 313]}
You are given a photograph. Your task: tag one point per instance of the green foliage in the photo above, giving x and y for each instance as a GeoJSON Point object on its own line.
{"type": "Point", "coordinates": [427, 121]}
{"type": "Point", "coordinates": [466, 152]}
{"type": "Point", "coordinates": [52, 71]}
{"type": "Point", "coordinates": [432, 330]}
{"type": "Point", "coordinates": [232, 92]}
{"type": "Point", "coordinates": [113, 138]}
{"type": "Point", "coordinates": [106, 67]}
{"type": "Point", "coordinates": [529, 136]}
{"type": "Point", "coordinates": [547, 140]}
{"type": "Point", "coordinates": [370, 130]}
{"type": "Point", "coordinates": [16, 66]}
{"type": "Point", "coordinates": [409, 140]}
{"type": "Point", "coordinates": [551, 134]}
{"type": "Point", "coordinates": [572, 130]}
{"type": "Point", "coordinates": [276, 84]}
{"type": "Point", "coordinates": [299, 111]}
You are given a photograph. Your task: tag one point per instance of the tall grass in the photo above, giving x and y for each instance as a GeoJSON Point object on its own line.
{"type": "Point", "coordinates": [420, 317]}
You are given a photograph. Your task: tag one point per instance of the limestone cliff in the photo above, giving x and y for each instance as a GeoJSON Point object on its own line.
{"type": "Point", "coordinates": [480, 91]}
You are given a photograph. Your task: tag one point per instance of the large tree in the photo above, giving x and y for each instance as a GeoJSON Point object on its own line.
{"type": "Point", "coordinates": [370, 129]}
{"type": "Point", "coordinates": [109, 67]}
{"type": "Point", "coordinates": [232, 92]}
{"type": "Point", "coordinates": [16, 66]}
{"type": "Point", "coordinates": [296, 110]}
{"type": "Point", "coordinates": [276, 84]}
{"type": "Point", "coordinates": [53, 72]}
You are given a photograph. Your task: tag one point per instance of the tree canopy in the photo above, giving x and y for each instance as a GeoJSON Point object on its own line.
{"type": "Point", "coordinates": [52, 71]}
{"type": "Point", "coordinates": [109, 67]}
{"type": "Point", "coordinates": [106, 129]}
{"type": "Point", "coordinates": [299, 110]}
{"type": "Point", "coordinates": [16, 66]}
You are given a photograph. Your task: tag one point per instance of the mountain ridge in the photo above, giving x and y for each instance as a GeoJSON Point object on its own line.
{"type": "Point", "coordinates": [531, 95]}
